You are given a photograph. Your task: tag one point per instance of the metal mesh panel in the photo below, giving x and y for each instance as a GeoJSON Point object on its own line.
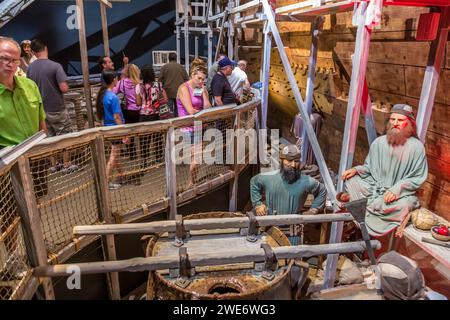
{"type": "Point", "coordinates": [136, 170]}
{"type": "Point", "coordinates": [197, 173]}
{"type": "Point", "coordinates": [64, 186]}
{"type": "Point", "coordinates": [14, 266]}
{"type": "Point", "coordinates": [248, 119]}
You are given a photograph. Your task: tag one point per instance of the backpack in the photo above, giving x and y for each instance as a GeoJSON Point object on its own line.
{"type": "Point", "coordinates": [165, 109]}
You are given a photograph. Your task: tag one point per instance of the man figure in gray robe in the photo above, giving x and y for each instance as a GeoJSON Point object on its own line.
{"type": "Point", "coordinates": [394, 169]}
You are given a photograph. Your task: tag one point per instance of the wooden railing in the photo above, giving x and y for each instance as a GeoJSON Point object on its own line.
{"type": "Point", "coordinates": [62, 182]}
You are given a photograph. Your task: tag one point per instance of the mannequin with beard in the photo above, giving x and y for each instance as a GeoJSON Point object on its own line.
{"type": "Point", "coordinates": [394, 169]}
{"type": "Point", "coordinates": [286, 189]}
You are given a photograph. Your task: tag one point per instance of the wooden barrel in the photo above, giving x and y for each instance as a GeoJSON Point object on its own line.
{"type": "Point", "coordinates": [231, 281]}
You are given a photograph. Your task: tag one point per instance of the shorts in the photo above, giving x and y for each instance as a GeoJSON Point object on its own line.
{"type": "Point", "coordinates": [189, 136]}
{"type": "Point", "coordinates": [58, 123]}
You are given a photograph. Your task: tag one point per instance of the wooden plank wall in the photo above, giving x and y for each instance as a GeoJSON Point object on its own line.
{"type": "Point", "coordinates": [394, 74]}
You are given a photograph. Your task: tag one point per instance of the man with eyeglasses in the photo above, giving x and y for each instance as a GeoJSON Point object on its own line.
{"type": "Point", "coordinates": [21, 109]}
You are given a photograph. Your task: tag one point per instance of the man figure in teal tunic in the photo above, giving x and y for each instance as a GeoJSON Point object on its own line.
{"type": "Point", "coordinates": [394, 169]}
{"type": "Point", "coordinates": [286, 189]}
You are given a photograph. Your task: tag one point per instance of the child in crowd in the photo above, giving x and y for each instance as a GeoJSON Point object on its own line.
{"type": "Point", "coordinates": [108, 110]}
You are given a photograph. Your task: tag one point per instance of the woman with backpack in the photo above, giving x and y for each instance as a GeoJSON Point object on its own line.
{"type": "Point", "coordinates": [150, 96]}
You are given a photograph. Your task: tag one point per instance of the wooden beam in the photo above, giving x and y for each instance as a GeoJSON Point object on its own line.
{"type": "Point", "coordinates": [222, 29]}
{"type": "Point", "coordinates": [234, 187]}
{"type": "Point", "coordinates": [186, 35]}
{"type": "Point", "coordinates": [358, 79]}
{"type": "Point", "coordinates": [265, 76]}
{"type": "Point", "coordinates": [431, 78]}
{"type": "Point", "coordinates": [104, 27]}
{"type": "Point", "coordinates": [208, 259]}
{"type": "Point", "coordinates": [211, 223]}
{"type": "Point", "coordinates": [84, 61]}
{"type": "Point", "coordinates": [26, 200]}
{"type": "Point", "coordinates": [108, 243]}
{"type": "Point", "coordinates": [105, 3]}
{"type": "Point", "coordinates": [171, 178]}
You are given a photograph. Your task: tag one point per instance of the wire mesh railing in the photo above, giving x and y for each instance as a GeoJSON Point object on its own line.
{"type": "Point", "coordinates": [15, 269]}
{"type": "Point", "coordinates": [65, 189]}
{"type": "Point", "coordinates": [82, 177]}
{"type": "Point", "coordinates": [202, 152]}
{"type": "Point", "coordinates": [136, 170]}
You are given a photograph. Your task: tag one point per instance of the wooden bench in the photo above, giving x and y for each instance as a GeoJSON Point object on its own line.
{"type": "Point", "coordinates": [434, 260]}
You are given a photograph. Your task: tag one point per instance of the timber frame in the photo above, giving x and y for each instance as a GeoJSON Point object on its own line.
{"type": "Point", "coordinates": [307, 11]}
{"type": "Point", "coordinates": [234, 20]}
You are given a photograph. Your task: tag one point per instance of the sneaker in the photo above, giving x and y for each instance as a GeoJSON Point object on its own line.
{"type": "Point", "coordinates": [114, 186]}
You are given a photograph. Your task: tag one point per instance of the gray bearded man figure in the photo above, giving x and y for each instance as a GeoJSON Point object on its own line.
{"type": "Point", "coordinates": [394, 169]}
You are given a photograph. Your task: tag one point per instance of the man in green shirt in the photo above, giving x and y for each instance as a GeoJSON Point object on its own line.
{"type": "Point", "coordinates": [286, 189]}
{"type": "Point", "coordinates": [21, 109]}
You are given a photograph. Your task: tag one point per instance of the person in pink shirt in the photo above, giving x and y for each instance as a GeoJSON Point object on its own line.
{"type": "Point", "coordinates": [127, 87]}
{"type": "Point", "coordinates": [192, 97]}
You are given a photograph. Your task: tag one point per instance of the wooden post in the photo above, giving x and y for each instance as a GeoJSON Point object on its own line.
{"type": "Point", "coordinates": [108, 244]}
{"type": "Point", "coordinates": [222, 28]}
{"type": "Point", "coordinates": [316, 28]}
{"type": "Point", "coordinates": [230, 50]}
{"type": "Point", "coordinates": [84, 61]}
{"type": "Point", "coordinates": [210, 37]}
{"type": "Point", "coordinates": [171, 178]}
{"type": "Point", "coordinates": [196, 35]}
{"type": "Point", "coordinates": [358, 79]}
{"type": "Point", "coordinates": [368, 114]}
{"type": "Point", "coordinates": [237, 34]}
{"type": "Point", "coordinates": [104, 29]}
{"type": "Point", "coordinates": [186, 35]}
{"type": "Point", "coordinates": [323, 239]}
{"type": "Point", "coordinates": [177, 31]}
{"type": "Point", "coordinates": [24, 191]}
{"type": "Point", "coordinates": [432, 71]}
{"type": "Point", "coordinates": [236, 167]}
{"type": "Point", "coordinates": [265, 75]}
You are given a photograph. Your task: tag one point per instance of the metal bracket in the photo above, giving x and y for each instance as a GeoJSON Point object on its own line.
{"type": "Point", "coordinates": [185, 265]}
{"type": "Point", "coordinates": [180, 232]}
{"type": "Point", "coordinates": [304, 270]}
{"type": "Point", "coordinates": [271, 262]}
{"type": "Point", "coordinates": [252, 233]}
{"type": "Point", "coordinates": [185, 270]}
{"type": "Point", "coordinates": [182, 283]}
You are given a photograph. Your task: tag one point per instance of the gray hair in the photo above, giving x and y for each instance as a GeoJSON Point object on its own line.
{"type": "Point", "coordinates": [10, 40]}
{"type": "Point", "coordinates": [240, 62]}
